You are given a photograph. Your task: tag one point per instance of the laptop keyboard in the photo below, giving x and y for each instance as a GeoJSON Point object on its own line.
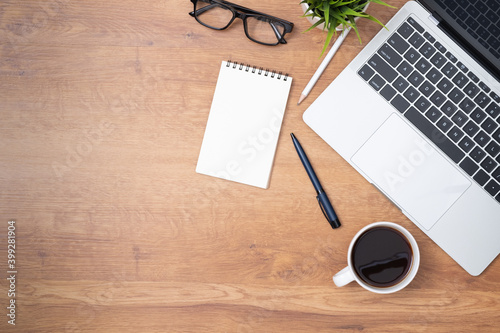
{"type": "Point", "coordinates": [443, 98]}
{"type": "Point", "coordinates": [479, 18]}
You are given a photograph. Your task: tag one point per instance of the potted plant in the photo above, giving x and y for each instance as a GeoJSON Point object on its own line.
{"type": "Point", "coordinates": [337, 15]}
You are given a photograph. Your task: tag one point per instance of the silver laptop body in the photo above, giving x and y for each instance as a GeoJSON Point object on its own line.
{"type": "Point", "coordinates": [417, 169]}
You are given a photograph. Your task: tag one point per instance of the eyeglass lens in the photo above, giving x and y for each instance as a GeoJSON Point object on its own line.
{"type": "Point", "coordinates": [213, 14]}
{"type": "Point", "coordinates": [258, 28]}
{"type": "Point", "coordinates": [263, 30]}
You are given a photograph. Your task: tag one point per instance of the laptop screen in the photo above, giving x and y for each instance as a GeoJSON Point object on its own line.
{"type": "Point", "coordinates": [474, 24]}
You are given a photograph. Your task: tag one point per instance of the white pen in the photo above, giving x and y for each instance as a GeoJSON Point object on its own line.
{"type": "Point", "coordinates": [323, 65]}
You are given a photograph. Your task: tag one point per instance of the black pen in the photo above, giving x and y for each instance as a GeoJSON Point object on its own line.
{"type": "Point", "coordinates": [324, 203]}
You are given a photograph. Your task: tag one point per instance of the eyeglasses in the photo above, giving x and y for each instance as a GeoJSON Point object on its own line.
{"type": "Point", "coordinates": [260, 28]}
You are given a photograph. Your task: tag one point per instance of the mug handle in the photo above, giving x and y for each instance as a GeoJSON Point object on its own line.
{"type": "Point", "coordinates": [343, 277]}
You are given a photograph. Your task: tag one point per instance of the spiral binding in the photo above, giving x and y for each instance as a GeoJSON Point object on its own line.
{"type": "Point", "coordinates": [257, 70]}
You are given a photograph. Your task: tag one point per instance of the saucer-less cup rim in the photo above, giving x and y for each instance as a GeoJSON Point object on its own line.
{"type": "Point", "coordinates": [348, 275]}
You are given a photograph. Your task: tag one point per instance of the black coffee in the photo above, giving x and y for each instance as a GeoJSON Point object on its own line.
{"type": "Point", "coordinates": [382, 257]}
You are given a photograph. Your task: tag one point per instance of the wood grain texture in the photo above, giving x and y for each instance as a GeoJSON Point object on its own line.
{"type": "Point", "coordinates": [103, 109]}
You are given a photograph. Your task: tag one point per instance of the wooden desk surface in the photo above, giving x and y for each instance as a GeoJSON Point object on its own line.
{"type": "Point", "coordinates": [104, 105]}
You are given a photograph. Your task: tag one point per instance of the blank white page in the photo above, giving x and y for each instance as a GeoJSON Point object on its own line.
{"type": "Point", "coordinates": [244, 124]}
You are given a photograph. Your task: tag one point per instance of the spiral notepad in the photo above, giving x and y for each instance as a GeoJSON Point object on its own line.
{"type": "Point", "coordinates": [244, 124]}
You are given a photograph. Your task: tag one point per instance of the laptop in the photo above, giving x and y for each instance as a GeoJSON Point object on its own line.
{"type": "Point", "coordinates": [417, 113]}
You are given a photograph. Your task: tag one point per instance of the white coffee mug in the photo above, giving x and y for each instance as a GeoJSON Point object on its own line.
{"type": "Point", "coordinates": [350, 273]}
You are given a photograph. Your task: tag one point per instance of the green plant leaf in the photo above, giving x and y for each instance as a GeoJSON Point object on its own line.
{"type": "Point", "coordinates": [315, 25]}
{"type": "Point", "coordinates": [343, 3]}
{"type": "Point", "coordinates": [348, 11]}
{"type": "Point", "coordinates": [326, 9]}
{"type": "Point", "coordinates": [380, 2]}
{"type": "Point", "coordinates": [328, 39]}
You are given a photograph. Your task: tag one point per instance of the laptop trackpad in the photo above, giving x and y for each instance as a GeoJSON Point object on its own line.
{"type": "Point", "coordinates": [410, 172]}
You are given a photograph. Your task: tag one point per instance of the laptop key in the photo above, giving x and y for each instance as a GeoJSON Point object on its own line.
{"type": "Point", "coordinates": [438, 98]}
{"type": "Point", "coordinates": [429, 37]}
{"type": "Point", "coordinates": [477, 154]}
{"type": "Point", "coordinates": [400, 84]}
{"type": "Point", "coordinates": [455, 134]}
{"type": "Point", "coordinates": [388, 92]}
{"type": "Point", "coordinates": [412, 55]}
{"type": "Point", "coordinates": [414, 23]}
{"type": "Point", "coordinates": [433, 114]}
{"type": "Point", "coordinates": [427, 88]}
{"type": "Point", "coordinates": [444, 124]}
{"type": "Point", "coordinates": [471, 129]}
{"type": "Point", "coordinates": [440, 47]}
{"type": "Point", "coordinates": [423, 66]}
{"type": "Point", "coordinates": [405, 68]}
{"type": "Point", "coordinates": [438, 60]}
{"type": "Point", "coordinates": [483, 21]}
{"type": "Point", "coordinates": [481, 177]}
{"type": "Point", "coordinates": [398, 43]}
{"type": "Point", "coordinates": [427, 50]}
{"type": "Point", "coordinates": [471, 90]}
{"type": "Point", "coordinates": [489, 125]}
{"type": "Point", "coordinates": [478, 116]}
{"type": "Point", "coordinates": [493, 148]}
{"type": "Point", "coordinates": [377, 82]}
{"type": "Point", "coordinates": [462, 67]}
{"type": "Point", "coordinates": [400, 103]}
{"type": "Point", "coordinates": [493, 110]}
{"type": "Point", "coordinates": [466, 144]}
{"type": "Point", "coordinates": [481, 138]}
{"type": "Point", "coordinates": [382, 68]}
{"type": "Point", "coordinates": [366, 72]}
{"type": "Point", "coordinates": [433, 134]}
{"type": "Point", "coordinates": [456, 95]}
{"type": "Point", "coordinates": [451, 57]}
{"type": "Point", "coordinates": [405, 30]}
{"type": "Point", "coordinates": [473, 77]}
{"type": "Point", "coordinates": [492, 187]}
{"type": "Point", "coordinates": [489, 164]}
{"type": "Point", "coordinates": [467, 105]}
{"type": "Point", "coordinates": [445, 85]}
{"type": "Point", "coordinates": [449, 108]}
{"type": "Point", "coordinates": [483, 86]}
{"type": "Point", "coordinates": [389, 55]}
{"type": "Point", "coordinates": [449, 70]}
{"type": "Point", "coordinates": [411, 94]}
{"type": "Point", "coordinates": [416, 79]}
{"type": "Point", "coordinates": [416, 40]}
{"type": "Point", "coordinates": [459, 118]}
{"type": "Point", "coordinates": [495, 97]}
{"type": "Point", "coordinates": [460, 80]}
{"type": "Point", "coordinates": [434, 75]}
{"type": "Point", "coordinates": [469, 166]}
{"type": "Point", "coordinates": [422, 104]}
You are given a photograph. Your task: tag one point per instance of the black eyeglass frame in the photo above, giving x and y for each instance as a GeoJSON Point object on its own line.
{"type": "Point", "coordinates": [243, 13]}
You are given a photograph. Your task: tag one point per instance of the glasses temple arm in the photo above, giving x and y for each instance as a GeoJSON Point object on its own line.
{"type": "Point", "coordinates": [277, 33]}
{"type": "Point", "coordinates": [251, 11]}
{"type": "Point", "coordinates": [202, 10]}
